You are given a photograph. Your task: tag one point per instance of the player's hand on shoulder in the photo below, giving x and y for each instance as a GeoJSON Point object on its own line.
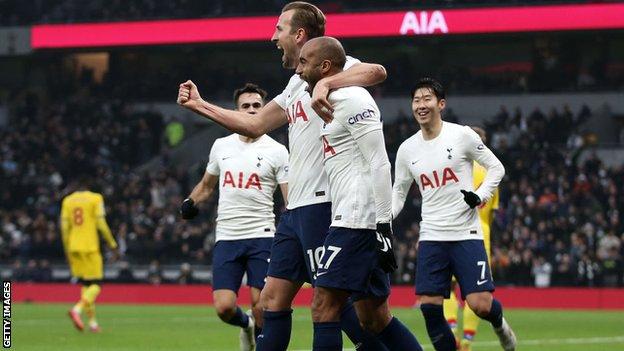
{"type": "Point", "coordinates": [319, 101]}
{"type": "Point", "coordinates": [471, 198]}
{"type": "Point", "coordinates": [385, 244]}
{"type": "Point", "coordinates": [188, 94]}
{"type": "Point", "coordinates": [188, 210]}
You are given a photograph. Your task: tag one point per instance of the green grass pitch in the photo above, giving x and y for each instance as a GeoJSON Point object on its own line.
{"type": "Point", "coordinates": [46, 327]}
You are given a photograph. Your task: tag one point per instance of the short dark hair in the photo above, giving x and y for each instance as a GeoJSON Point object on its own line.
{"type": "Point", "coordinates": [430, 83]}
{"type": "Point", "coordinates": [249, 88]}
{"type": "Point", "coordinates": [308, 17]}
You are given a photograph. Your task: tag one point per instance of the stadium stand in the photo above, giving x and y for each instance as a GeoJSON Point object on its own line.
{"type": "Point", "coordinates": [559, 221]}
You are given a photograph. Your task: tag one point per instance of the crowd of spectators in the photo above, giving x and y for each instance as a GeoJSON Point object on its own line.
{"type": "Point", "coordinates": [559, 221]}
{"type": "Point", "coordinates": [16, 12]}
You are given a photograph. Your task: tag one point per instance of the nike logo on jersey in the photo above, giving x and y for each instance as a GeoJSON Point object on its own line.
{"type": "Point", "coordinates": [320, 274]}
{"type": "Point", "coordinates": [225, 158]}
{"type": "Point", "coordinates": [481, 282]}
{"type": "Point", "coordinates": [414, 162]}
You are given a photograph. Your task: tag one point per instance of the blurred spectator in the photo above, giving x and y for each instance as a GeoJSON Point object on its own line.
{"type": "Point", "coordinates": [186, 274]}
{"type": "Point", "coordinates": [542, 271]}
{"type": "Point", "coordinates": [125, 273]}
{"type": "Point", "coordinates": [154, 273]}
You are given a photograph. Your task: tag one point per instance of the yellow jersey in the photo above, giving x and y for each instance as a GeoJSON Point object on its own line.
{"type": "Point", "coordinates": [486, 210]}
{"type": "Point", "coordinates": [82, 215]}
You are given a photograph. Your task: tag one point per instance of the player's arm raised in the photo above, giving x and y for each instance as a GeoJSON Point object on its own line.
{"type": "Point", "coordinates": [271, 117]}
{"type": "Point", "coordinates": [402, 182]}
{"type": "Point", "coordinates": [360, 74]}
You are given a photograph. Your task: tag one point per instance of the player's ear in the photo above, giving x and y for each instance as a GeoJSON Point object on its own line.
{"type": "Point", "coordinates": [301, 36]}
{"type": "Point", "coordinates": [325, 66]}
{"type": "Point", "coordinates": [442, 104]}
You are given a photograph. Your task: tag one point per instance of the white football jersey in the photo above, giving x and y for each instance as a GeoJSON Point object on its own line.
{"type": "Point", "coordinates": [248, 176]}
{"type": "Point", "coordinates": [350, 181]}
{"type": "Point", "coordinates": [307, 183]}
{"type": "Point", "coordinates": [441, 168]}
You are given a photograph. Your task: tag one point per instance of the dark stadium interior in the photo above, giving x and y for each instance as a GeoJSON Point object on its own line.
{"type": "Point", "coordinates": [560, 214]}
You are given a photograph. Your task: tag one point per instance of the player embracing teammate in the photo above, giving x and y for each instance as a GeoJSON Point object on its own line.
{"type": "Point", "coordinates": [360, 217]}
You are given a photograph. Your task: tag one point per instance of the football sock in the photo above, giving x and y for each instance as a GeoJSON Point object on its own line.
{"type": "Point", "coordinates": [276, 331]}
{"type": "Point", "coordinates": [90, 310]}
{"type": "Point", "coordinates": [79, 306]}
{"type": "Point", "coordinates": [397, 337]}
{"type": "Point", "coordinates": [239, 318]}
{"type": "Point", "coordinates": [92, 293]}
{"type": "Point", "coordinates": [350, 324]}
{"type": "Point", "coordinates": [450, 312]}
{"type": "Point", "coordinates": [471, 323]}
{"type": "Point", "coordinates": [496, 314]}
{"type": "Point", "coordinates": [327, 337]}
{"type": "Point", "coordinates": [439, 332]}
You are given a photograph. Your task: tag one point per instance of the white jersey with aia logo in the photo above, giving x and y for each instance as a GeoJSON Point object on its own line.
{"type": "Point", "coordinates": [441, 168]}
{"type": "Point", "coordinates": [307, 183]}
{"type": "Point", "coordinates": [248, 175]}
{"type": "Point", "coordinates": [350, 181]}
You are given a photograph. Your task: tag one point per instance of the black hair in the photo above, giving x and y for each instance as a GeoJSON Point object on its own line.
{"type": "Point", "coordinates": [249, 88]}
{"type": "Point", "coordinates": [432, 84]}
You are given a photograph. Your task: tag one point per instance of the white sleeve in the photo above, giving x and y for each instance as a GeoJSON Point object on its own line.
{"type": "Point", "coordinates": [373, 148]}
{"type": "Point", "coordinates": [356, 110]}
{"type": "Point", "coordinates": [402, 182]}
{"type": "Point", "coordinates": [281, 174]}
{"type": "Point", "coordinates": [281, 99]}
{"type": "Point", "coordinates": [350, 62]}
{"type": "Point", "coordinates": [477, 151]}
{"type": "Point", "coordinates": [213, 162]}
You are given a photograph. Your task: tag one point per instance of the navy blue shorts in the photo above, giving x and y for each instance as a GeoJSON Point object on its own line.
{"type": "Point", "coordinates": [232, 258]}
{"type": "Point", "coordinates": [439, 260]}
{"type": "Point", "coordinates": [350, 263]}
{"type": "Point", "coordinates": [298, 242]}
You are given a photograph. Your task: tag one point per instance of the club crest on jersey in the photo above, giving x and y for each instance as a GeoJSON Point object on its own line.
{"type": "Point", "coordinates": [449, 152]}
{"type": "Point", "coordinates": [296, 111]}
{"type": "Point", "coordinates": [259, 159]}
{"type": "Point", "coordinates": [253, 181]}
{"type": "Point", "coordinates": [448, 176]}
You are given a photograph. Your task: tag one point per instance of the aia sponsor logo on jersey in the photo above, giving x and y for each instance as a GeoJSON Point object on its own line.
{"type": "Point", "coordinates": [435, 181]}
{"type": "Point", "coordinates": [253, 181]}
{"type": "Point", "coordinates": [327, 149]}
{"type": "Point", "coordinates": [296, 111]}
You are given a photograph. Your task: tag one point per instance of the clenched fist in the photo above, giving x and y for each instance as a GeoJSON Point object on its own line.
{"type": "Point", "coordinates": [188, 95]}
